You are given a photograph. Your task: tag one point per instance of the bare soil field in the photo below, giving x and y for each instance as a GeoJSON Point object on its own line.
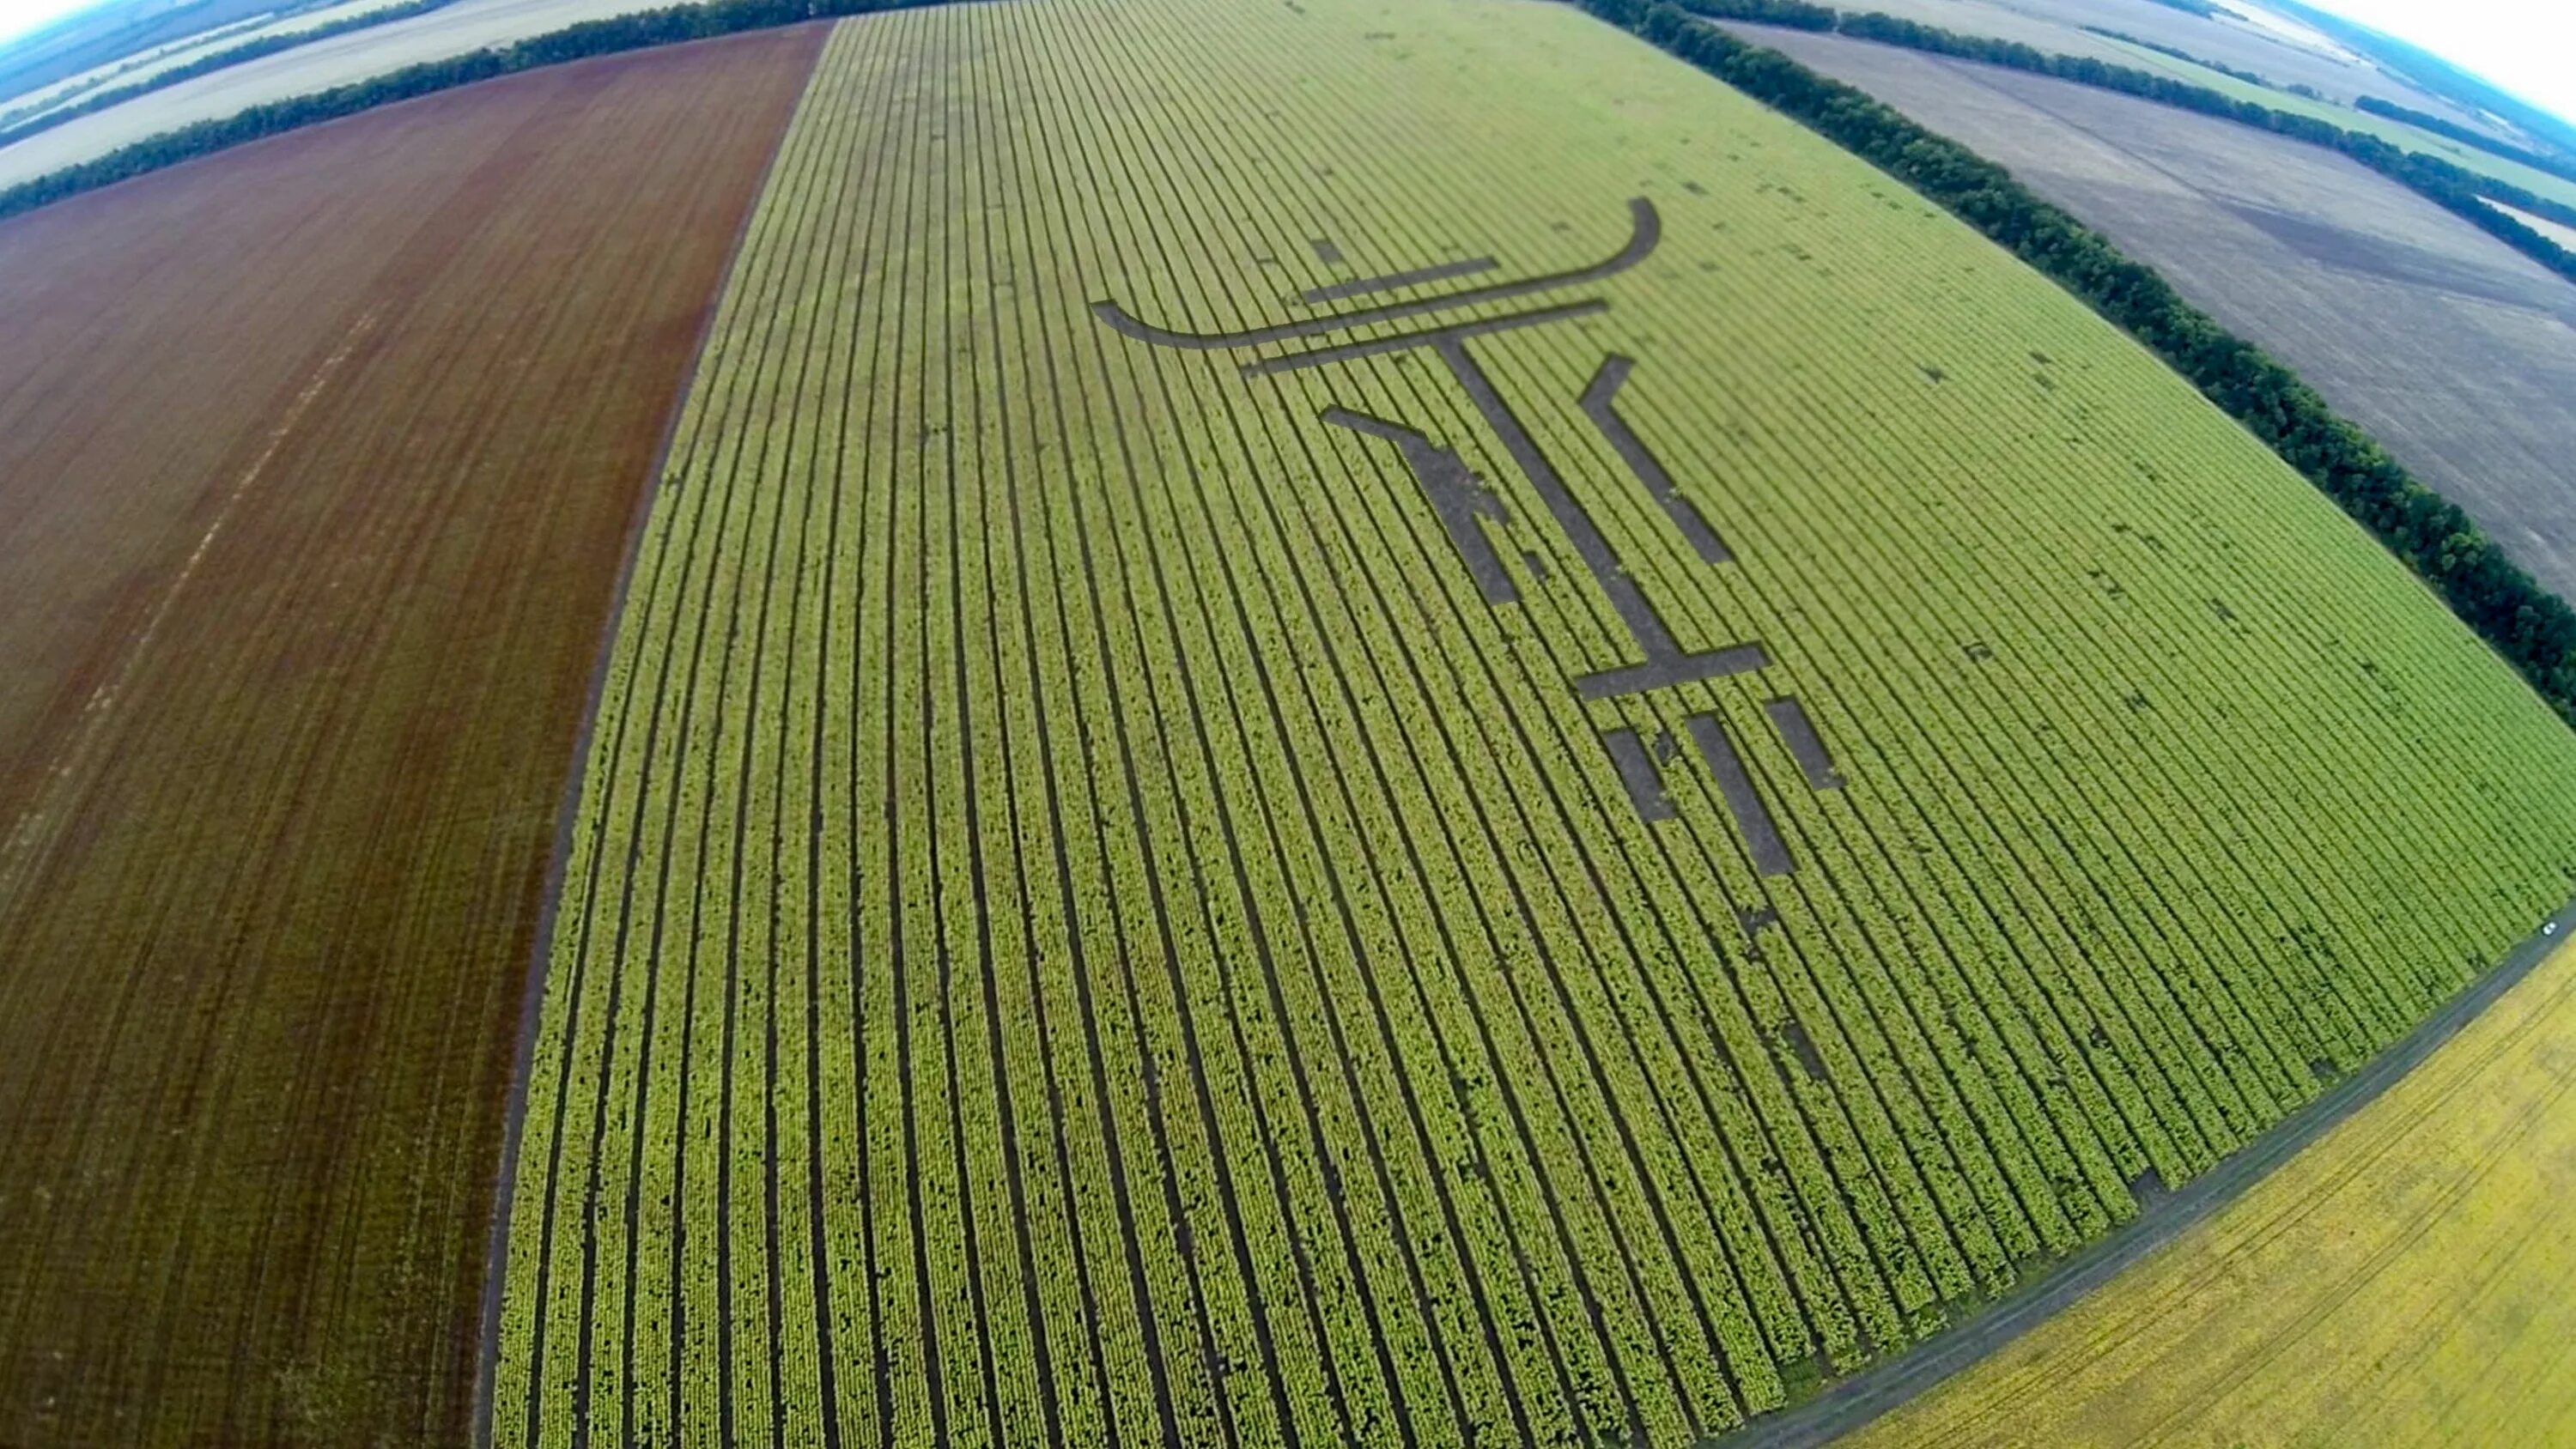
{"type": "Point", "coordinates": [2456, 352]}
{"type": "Point", "coordinates": [469, 25]}
{"type": "Point", "coordinates": [317, 464]}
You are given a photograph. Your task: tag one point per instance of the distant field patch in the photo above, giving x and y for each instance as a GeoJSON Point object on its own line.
{"type": "Point", "coordinates": [2563, 235]}
{"type": "Point", "coordinates": [1349, 723]}
{"type": "Point", "coordinates": [2394, 132]}
{"type": "Point", "coordinates": [300, 70]}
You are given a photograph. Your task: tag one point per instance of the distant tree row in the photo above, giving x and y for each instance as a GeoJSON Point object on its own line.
{"type": "Point", "coordinates": [2185, 56]}
{"type": "Point", "coordinates": [213, 61]}
{"type": "Point", "coordinates": [1794, 14]}
{"type": "Point", "coordinates": [2454, 188]}
{"type": "Point", "coordinates": [2530, 627]}
{"type": "Point", "coordinates": [2558, 166]}
{"type": "Point", "coordinates": [594, 37]}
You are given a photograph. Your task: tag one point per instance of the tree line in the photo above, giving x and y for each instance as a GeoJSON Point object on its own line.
{"type": "Point", "coordinates": [2557, 166]}
{"type": "Point", "coordinates": [207, 64]}
{"type": "Point", "coordinates": [2455, 189]}
{"type": "Point", "coordinates": [2533, 629]}
{"type": "Point", "coordinates": [2186, 57]}
{"type": "Point", "coordinates": [592, 37]}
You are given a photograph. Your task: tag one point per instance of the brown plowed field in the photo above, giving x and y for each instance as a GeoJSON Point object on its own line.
{"type": "Point", "coordinates": [317, 463]}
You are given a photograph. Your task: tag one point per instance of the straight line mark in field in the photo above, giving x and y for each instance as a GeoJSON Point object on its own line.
{"type": "Point", "coordinates": [1598, 399]}
{"type": "Point", "coordinates": [1805, 745]}
{"type": "Point", "coordinates": [16, 851]}
{"type": "Point", "coordinates": [1637, 772]}
{"type": "Point", "coordinates": [1396, 281]}
{"type": "Point", "coordinates": [1457, 496]}
{"type": "Point", "coordinates": [1440, 336]}
{"type": "Point", "coordinates": [1628, 601]}
{"type": "Point", "coordinates": [1744, 802]}
{"type": "Point", "coordinates": [1673, 669]}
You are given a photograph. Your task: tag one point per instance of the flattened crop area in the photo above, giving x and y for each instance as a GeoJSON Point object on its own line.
{"type": "Point", "coordinates": [1366, 724]}
{"type": "Point", "coordinates": [316, 465]}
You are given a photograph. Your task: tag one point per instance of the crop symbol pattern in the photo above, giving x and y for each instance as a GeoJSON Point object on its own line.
{"type": "Point", "coordinates": [1103, 910]}
{"type": "Point", "coordinates": [1461, 500]}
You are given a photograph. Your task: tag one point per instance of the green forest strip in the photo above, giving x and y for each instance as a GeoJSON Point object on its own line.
{"type": "Point", "coordinates": [2532, 628]}
{"type": "Point", "coordinates": [2452, 187]}
{"type": "Point", "coordinates": [208, 64]}
{"type": "Point", "coordinates": [592, 37]}
{"type": "Point", "coordinates": [2557, 166]}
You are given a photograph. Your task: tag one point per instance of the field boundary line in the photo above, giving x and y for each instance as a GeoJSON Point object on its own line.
{"type": "Point", "coordinates": [487, 1357]}
{"type": "Point", "coordinates": [1852, 1403]}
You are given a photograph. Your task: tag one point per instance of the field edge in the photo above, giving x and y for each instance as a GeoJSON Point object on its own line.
{"type": "Point", "coordinates": [1846, 1405]}
{"type": "Point", "coordinates": [568, 811]}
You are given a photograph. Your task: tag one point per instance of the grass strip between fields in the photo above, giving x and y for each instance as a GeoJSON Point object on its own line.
{"type": "Point", "coordinates": [1845, 1405]}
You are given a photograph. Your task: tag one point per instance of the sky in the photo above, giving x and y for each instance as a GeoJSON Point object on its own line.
{"type": "Point", "coordinates": [2526, 46]}
{"type": "Point", "coordinates": [17, 17]}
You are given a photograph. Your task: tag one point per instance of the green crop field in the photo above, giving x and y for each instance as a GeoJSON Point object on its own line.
{"type": "Point", "coordinates": [1366, 723]}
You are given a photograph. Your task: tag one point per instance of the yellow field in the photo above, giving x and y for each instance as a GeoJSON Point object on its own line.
{"type": "Point", "coordinates": [2403, 1281]}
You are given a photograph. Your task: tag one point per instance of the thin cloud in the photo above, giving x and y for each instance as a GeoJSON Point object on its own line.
{"type": "Point", "coordinates": [18, 17]}
{"type": "Point", "coordinates": [2528, 47]}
